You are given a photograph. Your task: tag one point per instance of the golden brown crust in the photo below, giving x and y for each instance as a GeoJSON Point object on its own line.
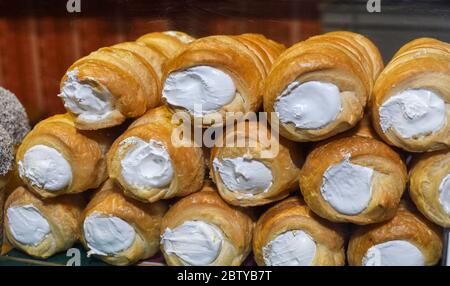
{"type": "Point", "coordinates": [293, 214]}
{"type": "Point", "coordinates": [169, 44]}
{"type": "Point", "coordinates": [245, 58]}
{"type": "Point", "coordinates": [364, 44]}
{"type": "Point", "coordinates": [407, 225]}
{"type": "Point", "coordinates": [144, 218]}
{"type": "Point", "coordinates": [207, 206]}
{"type": "Point", "coordinates": [348, 60]}
{"type": "Point", "coordinates": [426, 176]}
{"type": "Point", "coordinates": [422, 63]}
{"type": "Point", "coordinates": [388, 180]}
{"type": "Point", "coordinates": [85, 151]}
{"type": "Point", "coordinates": [62, 213]}
{"type": "Point", "coordinates": [130, 72]}
{"type": "Point", "coordinates": [282, 157]}
{"type": "Point", "coordinates": [187, 161]}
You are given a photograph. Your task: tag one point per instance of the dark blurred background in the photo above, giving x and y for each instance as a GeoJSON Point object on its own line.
{"type": "Point", "coordinates": [39, 39]}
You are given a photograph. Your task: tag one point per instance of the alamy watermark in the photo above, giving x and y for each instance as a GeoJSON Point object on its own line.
{"type": "Point", "coordinates": [74, 255]}
{"type": "Point", "coordinates": [373, 6]}
{"type": "Point", "coordinates": [73, 6]}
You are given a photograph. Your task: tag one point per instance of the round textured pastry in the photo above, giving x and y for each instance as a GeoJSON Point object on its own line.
{"type": "Point", "coordinates": [42, 228]}
{"type": "Point", "coordinates": [411, 102]}
{"type": "Point", "coordinates": [290, 234]}
{"type": "Point", "coordinates": [320, 87]}
{"type": "Point", "coordinates": [429, 186]}
{"type": "Point", "coordinates": [201, 229]}
{"type": "Point", "coordinates": [407, 239]}
{"type": "Point", "coordinates": [6, 156]}
{"type": "Point", "coordinates": [13, 117]}
{"type": "Point", "coordinates": [354, 179]}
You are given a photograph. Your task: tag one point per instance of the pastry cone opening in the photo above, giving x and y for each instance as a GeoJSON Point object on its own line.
{"type": "Point", "coordinates": [107, 235]}
{"type": "Point", "coordinates": [393, 253]}
{"type": "Point", "coordinates": [444, 194]}
{"type": "Point", "coordinates": [347, 187]}
{"type": "Point", "coordinates": [429, 186]}
{"type": "Point", "coordinates": [123, 81]}
{"type": "Point", "coordinates": [145, 164]}
{"type": "Point", "coordinates": [250, 169]}
{"type": "Point", "coordinates": [27, 225]}
{"type": "Point", "coordinates": [194, 241]}
{"type": "Point", "coordinates": [353, 179]}
{"type": "Point", "coordinates": [290, 234]}
{"type": "Point", "coordinates": [244, 175]}
{"type": "Point", "coordinates": [201, 229]}
{"type": "Point", "coordinates": [40, 227]}
{"type": "Point", "coordinates": [90, 101]}
{"type": "Point", "coordinates": [219, 74]}
{"type": "Point", "coordinates": [309, 105]}
{"type": "Point", "coordinates": [413, 113]}
{"type": "Point", "coordinates": [410, 106]}
{"type": "Point", "coordinates": [408, 239]}
{"type": "Point", "coordinates": [290, 248]}
{"type": "Point", "coordinates": [120, 230]}
{"type": "Point", "coordinates": [46, 168]}
{"type": "Point", "coordinates": [320, 87]}
{"type": "Point", "coordinates": [199, 89]}
{"type": "Point", "coordinates": [55, 158]}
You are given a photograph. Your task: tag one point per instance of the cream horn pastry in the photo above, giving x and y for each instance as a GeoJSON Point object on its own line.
{"type": "Point", "coordinates": [119, 230]}
{"type": "Point", "coordinates": [253, 167]}
{"type": "Point", "coordinates": [118, 82]}
{"type": "Point", "coordinates": [354, 179]}
{"type": "Point", "coordinates": [40, 227]}
{"type": "Point", "coordinates": [149, 165]}
{"type": "Point", "coordinates": [290, 234]}
{"type": "Point", "coordinates": [429, 186]}
{"type": "Point", "coordinates": [219, 74]}
{"type": "Point", "coordinates": [202, 230]}
{"type": "Point", "coordinates": [56, 158]}
{"type": "Point", "coordinates": [411, 102]}
{"type": "Point", "coordinates": [320, 87]}
{"type": "Point", "coordinates": [408, 239]}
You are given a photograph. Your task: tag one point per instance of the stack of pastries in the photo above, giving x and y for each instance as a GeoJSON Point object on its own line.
{"type": "Point", "coordinates": [354, 167]}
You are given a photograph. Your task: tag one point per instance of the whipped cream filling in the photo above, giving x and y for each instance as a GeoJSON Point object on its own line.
{"type": "Point", "coordinates": [84, 100]}
{"type": "Point", "coordinates": [347, 187]}
{"type": "Point", "coordinates": [45, 168]}
{"type": "Point", "coordinates": [309, 105]}
{"type": "Point", "coordinates": [195, 242]}
{"type": "Point", "coordinates": [413, 112]}
{"type": "Point", "coordinates": [107, 235]}
{"type": "Point", "coordinates": [291, 248]}
{"type": "Point", "coordinates": [146, 164]}
{"type": "Point", "coordinates": [27, 224]}
{"type": "Point", "coordinates": [394, 253]}
{"type": "Point", "coordinates": [246, 176]}
{"type": "Point", "coordinates": [444, 193]}
{"type": "Point", "coordinates": [200, 89]}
